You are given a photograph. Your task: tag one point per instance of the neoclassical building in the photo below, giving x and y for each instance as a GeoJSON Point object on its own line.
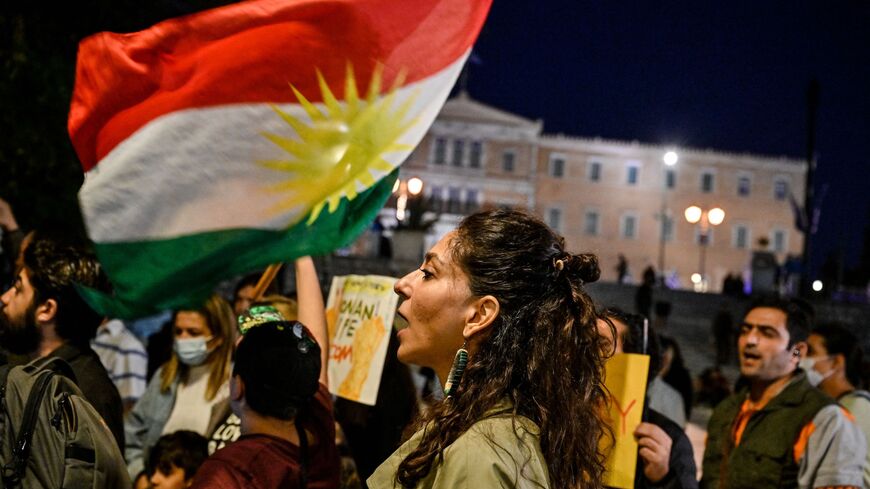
{"type": "Point", "coordinates": [611, 197]}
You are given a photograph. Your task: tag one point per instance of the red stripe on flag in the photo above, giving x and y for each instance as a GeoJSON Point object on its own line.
{"type": "Point", "coordinates": [250, 52]}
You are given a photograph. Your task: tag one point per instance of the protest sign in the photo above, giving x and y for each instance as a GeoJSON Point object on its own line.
{"type": "Point", "coordinates": [359, 314]}
{"type": "Point", "coordinates": [626, 376]}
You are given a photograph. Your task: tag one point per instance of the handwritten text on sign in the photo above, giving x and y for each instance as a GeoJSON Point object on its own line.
{"type": "Point", "coordinates": [359, 315]}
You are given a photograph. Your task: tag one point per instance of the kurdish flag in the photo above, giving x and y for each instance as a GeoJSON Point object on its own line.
{"type": "Point", "coordinates": [221, 142]}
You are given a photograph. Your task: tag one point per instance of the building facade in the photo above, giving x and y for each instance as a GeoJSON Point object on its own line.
{"type": "Point", "coordinates": [611, 197]}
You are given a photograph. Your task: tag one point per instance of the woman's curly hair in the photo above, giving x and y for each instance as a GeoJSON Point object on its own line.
{"type": "Point", "coordinates": [543, 352]}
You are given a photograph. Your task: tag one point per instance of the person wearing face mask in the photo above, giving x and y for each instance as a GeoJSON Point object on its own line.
{"type": "Point", "coordinates": [187, 391]}
{"type": "Point", "coordinates": [833, 364]}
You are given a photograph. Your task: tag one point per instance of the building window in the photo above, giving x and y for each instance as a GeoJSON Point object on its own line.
{"type": "Point", "coordinates": [707, 181]}
{"type": "Point", "coordinates": [440, 154]}
{"type": "Point", "coordinates": [508, 161]}
{"type": "Point", "coordinates": [591, 223]}
{"type": "Point", "coordinates": [670, 179]}
{"type": "Point", "coordinates": [458, 151]}
{"type": "Point", "coordinates": [554, 218]}
{"type": "Point", "coordinates": [594, 171]}
{"type": "Point", "coordinates": [632, 172]}
{"type": "Point", "coordinates": [668, 228]}
{"type": "Point", "coordinates": [744, 184]}
{"type": "Point", "coordinates": [628, 227]}
{"type": "Point", "coordinates": [741, 236]}
{"type": "Point", "coordinates": [780, 240]}
{"type": "Point", "coordinates": [557, 166]}
{"type": "Point", "coordinates": [435, 201]}
{"type": "Point", "coordinates": [471, 201]}
{"type": "Point", "coordinates": [454, 201]}
{"type": "Point", "coordinates": [780, 189]}
{"type": "Point", "coordinates": [476, 154]}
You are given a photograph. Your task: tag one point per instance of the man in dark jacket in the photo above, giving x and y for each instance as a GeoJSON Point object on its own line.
{"type": "Point", "coordinates": [665, 455]}
{"type": "Point", "coordinates": [42, 315]}
{"type": "Point", "coordinates": [778, 430]}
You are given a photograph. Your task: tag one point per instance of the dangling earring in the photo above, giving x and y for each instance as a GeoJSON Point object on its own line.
{"type": "Point", "coordinates": [456, 370]}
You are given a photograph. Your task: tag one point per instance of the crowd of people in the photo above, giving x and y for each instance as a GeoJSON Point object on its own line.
{"type": "Point", "coordinates": [499, 314]}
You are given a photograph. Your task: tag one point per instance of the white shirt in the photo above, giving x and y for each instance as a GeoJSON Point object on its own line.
{"type": "Point", "coordinates": [191, 410]}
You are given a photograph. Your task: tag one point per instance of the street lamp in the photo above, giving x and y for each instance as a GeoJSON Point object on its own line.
{"type": "Point", "coordinates": [706, 218]}
{"type": "Point", "coordinates": [413, 186]}
{"type": "Point", "coordinates": [670, 159]}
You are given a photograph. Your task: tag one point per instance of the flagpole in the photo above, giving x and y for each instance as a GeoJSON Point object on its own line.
{"type": "Point", "coordinates": [809, 201]}
{"type": "Point", "coordinates": [266, 279]}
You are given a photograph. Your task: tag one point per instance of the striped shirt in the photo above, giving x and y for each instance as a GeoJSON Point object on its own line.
{"type": "Point", "coordinates": [124, 357]}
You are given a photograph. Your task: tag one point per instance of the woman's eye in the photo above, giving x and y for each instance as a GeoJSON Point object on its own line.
{"type": "Point", "coordinates": [426, 274]}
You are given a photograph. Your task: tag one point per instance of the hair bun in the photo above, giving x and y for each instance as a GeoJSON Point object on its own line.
{"type": "Point", "coordinates": [584, 267]}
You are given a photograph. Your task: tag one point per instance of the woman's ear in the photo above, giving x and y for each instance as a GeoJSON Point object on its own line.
{"type": "Point", "coordinates": [483, 312]}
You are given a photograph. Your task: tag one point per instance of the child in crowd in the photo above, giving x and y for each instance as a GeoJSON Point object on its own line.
{"type": "Point", "coordinates": [174, 460]}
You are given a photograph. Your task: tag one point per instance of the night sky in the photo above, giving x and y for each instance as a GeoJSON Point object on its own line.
{"type": "Point", "coordinates": [730, 76]}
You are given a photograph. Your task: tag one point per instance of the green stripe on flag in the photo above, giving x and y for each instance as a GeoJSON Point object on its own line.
{"type": "Point", "coordinates": [144, 272]}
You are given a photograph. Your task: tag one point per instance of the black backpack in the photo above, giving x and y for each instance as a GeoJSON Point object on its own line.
{"type": "Point", "coordinates": [50, 436]}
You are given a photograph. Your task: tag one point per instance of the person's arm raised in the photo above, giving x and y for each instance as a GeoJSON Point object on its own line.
{"type": "Point", "coordinates": [312, 311]}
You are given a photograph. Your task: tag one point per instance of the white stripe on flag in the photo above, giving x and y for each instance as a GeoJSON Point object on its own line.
{"type": "Point", "coordinates": [196, 170]}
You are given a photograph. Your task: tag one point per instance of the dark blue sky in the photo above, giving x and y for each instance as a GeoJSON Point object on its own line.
{"type": "Point", "coordinates": [725, 75]}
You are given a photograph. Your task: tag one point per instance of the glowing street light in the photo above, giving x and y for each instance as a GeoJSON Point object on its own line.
{"type": "Point", "coordinates": [817, 285]}
{"type": "Point", "coordinates": [670, 158]}
{"type": "Point", "coordinates": [415, 185]}
{"type": "Point", "coordinates": [411, 187]}
{"type": "Point", "coordinates": [705, 218]}
{"type": "Point", "coordinates": [693, 214]}
{"type": "Point", "coordinates": [716, 216]}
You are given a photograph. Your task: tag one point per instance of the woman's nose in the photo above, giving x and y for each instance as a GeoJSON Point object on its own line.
{"type": "Point", "coordinates": [402, 286]}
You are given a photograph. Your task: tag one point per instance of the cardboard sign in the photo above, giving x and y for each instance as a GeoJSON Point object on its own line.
{"type": "Point", "coordinates": [626, 375]}
{"type": "Point", "coordinates": [359, 314]}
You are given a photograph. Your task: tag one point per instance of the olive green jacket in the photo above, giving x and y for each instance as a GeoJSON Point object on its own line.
{"type": "Point", "coordinates": [498, 451]}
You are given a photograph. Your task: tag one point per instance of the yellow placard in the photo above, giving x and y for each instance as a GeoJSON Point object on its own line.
{"type": "Point", "coordinates": [359, 314]}
{"type": "Point", "coordinates": [625, 378]}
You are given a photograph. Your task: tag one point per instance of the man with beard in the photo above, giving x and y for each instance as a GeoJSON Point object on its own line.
{"type": "Point", "coordinates": [42, 315]}
{"type": "Point", "coordinates": [778, 430]}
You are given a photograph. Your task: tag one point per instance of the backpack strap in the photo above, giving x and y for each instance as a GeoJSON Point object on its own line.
{"type": "Point", "coordinates": [863, 394]}
{"type": "Point", "coordinates": [55, 364]}
{"type": "Point", "coordinates": [4, 376]}
{"type": "Point", "coordinates": [13, 472]}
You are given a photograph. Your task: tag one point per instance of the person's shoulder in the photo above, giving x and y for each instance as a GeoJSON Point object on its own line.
{"type": "Point", "coordinates": [733, 401]}
{"type": "Point", "coordinates": [857, 402]}
{"type": "Point", "coordinates": [833, 413]}
{"type": "Point", "coordinates": [123, 338]}
{"type": "Point", "coordinates": [670, 427]}
{"type": "Point", "coordinates": [87, 367]}
{"type": "Point", "coordinates": [218, 473]}
{"type": "Point", "coordinates": [501, 451]}
{"type": "Point", "coordinates": [502, 433]}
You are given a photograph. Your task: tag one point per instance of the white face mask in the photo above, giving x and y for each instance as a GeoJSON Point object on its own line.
{"type": "Point", "coordinates": [192, 351]}
{"type": "Point", "coordinates": [814, 377]}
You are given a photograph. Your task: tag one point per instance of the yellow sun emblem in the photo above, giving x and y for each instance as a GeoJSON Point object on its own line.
{"type": "Point", "coordinates": [341, 145]}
